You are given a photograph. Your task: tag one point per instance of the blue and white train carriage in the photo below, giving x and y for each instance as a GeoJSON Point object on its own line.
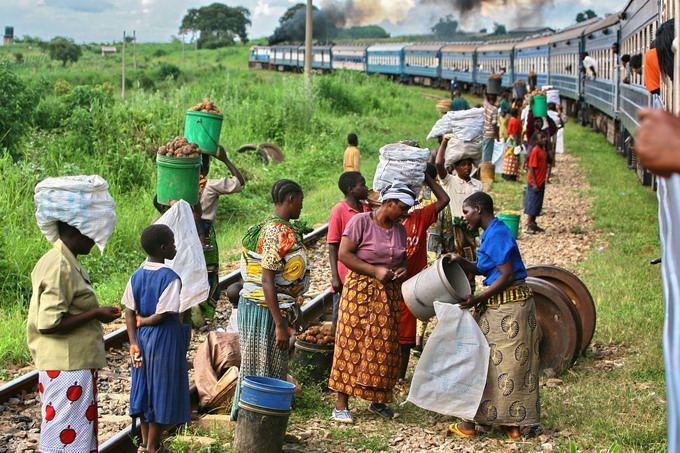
{"type": "Point", "coordinates": [532, 55]}
{"type": "Point", "coordinates": [352, 57]}
{"type": "Point", "coordinates": [422, 63]}
{"type": "Point", "coordinates": [459, 62]}
{"type": "Point", "coordinates": [259, 57]}
{"type": "Point", "coordinates": [387, 59]}
{"type": "Point", "coordinates": [495, 58]}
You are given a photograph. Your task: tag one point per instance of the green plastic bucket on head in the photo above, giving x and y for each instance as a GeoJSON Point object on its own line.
{"type": "Point", "coordinates": [203, 129]}
{"type": "Point", "coordinates": [512, 221]}
{"type": "Point", "coordinates": [178, 178]}
{"type": "Point", "coordinates": [540, 106]}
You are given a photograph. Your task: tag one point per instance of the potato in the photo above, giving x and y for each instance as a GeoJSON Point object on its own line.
{"type": "Point", "coordinates": [322, 341]}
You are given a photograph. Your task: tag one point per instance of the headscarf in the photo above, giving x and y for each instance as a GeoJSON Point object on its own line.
{"type": "Point", "coordinates": [398, 191]}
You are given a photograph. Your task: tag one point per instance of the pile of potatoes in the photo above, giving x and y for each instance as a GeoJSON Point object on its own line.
{"type": "Point", "coordinates": [317, 335]}
{"type": "Point", "coordinates": [537, 93]}
{"type": "Point", "coordinates": [180, 147]}
{"type": "Point", "coordinates": [207, 106]}
{"type": "Point", "coordinates": [496, 76]}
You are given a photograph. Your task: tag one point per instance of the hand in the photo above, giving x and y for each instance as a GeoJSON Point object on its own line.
{"type": "Point", "coordinates": [135, 356]}
{"type": "Point", "coordinates": [282, 338]}
{"type": "Point", "coordinates": [138, 318]}
{"type": "Point", "coordinates": [471, 301]}
{"type": "Point", "coordinates": [383, 274]}
{"type": "Point", "coordinates": [108, 314]}
{"type": "Point", "coordinates": [399, 273]}
{"type": "Point", "coordinates": [456, 258]}
{"type": "Point", "coordinates": [658, 142]}
{"type": "Point", "coordinates": [221, 153]}
{"type": "Point", "coordinates": [535, 188]}
{"type": "Point", "coordinates": [336, 284]}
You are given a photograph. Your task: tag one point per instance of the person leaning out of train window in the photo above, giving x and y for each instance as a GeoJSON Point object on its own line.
{"type": "Point", "coordinates": [625, 67]}
{"type": "Point", "coordinates": [589, 65]}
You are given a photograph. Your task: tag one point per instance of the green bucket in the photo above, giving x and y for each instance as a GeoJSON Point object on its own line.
{"type": "Point", "coordinates": [512, 221]}
{"type": "Point", "coordinates": [178, 178]}
{"type": "Point", "coordinates": [203, 129]}
{"type": "Point", "coordinates": [539, 107]}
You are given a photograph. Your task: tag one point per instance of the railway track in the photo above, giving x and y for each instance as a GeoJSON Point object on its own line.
{"type": "Point", "coordinates": [123, 441]}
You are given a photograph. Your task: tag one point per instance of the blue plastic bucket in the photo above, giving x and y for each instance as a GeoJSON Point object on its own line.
{"type": "Point", "coordinates": [267, 392]}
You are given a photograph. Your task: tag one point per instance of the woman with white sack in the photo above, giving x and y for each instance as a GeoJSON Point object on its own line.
{"type": "Point", "coordinates": [64, 326]}
{"type": "Point", "coordinates": [507, 320]}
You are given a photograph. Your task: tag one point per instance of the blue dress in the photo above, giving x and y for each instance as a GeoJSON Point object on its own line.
{"type": "Point", "coordinates": [498, 246]}
{"type": "Point", "coordinates": [160, 387]}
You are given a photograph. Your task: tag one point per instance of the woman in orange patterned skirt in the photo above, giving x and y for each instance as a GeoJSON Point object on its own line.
{"type": "Point", "coordinates": [367, 354]}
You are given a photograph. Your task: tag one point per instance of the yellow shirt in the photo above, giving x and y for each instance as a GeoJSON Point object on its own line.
{"type": "Point", "coordinates": [62, 287]}
{"type": "Point", "coordinates": [351, 160]}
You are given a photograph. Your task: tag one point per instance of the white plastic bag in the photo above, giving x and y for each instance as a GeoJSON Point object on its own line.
{"type": "Point", "coordinates": [457, 150]}
{"type": "Point", "coordinates": [189, 263]}
{"type": "Point", "coordinates": [468, 125]}
{"type": "Point", "coordinates": [81, 201]}
{"type": "Point", "coordinates": [498, 155]}
{"type": "Point", "coordinates": [559, 141]}
{"type": "Point", "coordinates": [401, 162]}
{"type": "Point", "coordinates": [451, 373]}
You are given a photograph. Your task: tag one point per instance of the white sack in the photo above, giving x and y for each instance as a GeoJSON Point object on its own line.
{"type": "Point", "coordinates": [457, 150]}
{"type": "Point", "coordinates": [466, 124]}
{"type": "Point", "coordinates": [451, 373]}
{"type": "Point", "coordinates": [559, 141]}
{"type": "Point", "coordinates": [498, 155]}
{"type": "Point", "coordinates": [81, 201]}
{"type": "Point", "coordinates": [400, 162]}
{"type": "Point", "coordinates": [553, 96]}
{"type": "Point", "coordinates": [189, 263]}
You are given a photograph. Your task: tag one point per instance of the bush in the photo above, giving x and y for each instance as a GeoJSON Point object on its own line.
{"type": "Point", "coordinates": [168, 71]}
{"type": "Point", "coordinates": [159, 53]}
{"type": "Point", "coordinates": [62, 87]}
{"type": "Point", "coordinates": [18, 106]}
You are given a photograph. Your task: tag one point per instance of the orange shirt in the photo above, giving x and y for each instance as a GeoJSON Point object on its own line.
{"type": "Point", "coordinates": [538, 160]}
{"type": "Point", "coordinates": [651, 71]}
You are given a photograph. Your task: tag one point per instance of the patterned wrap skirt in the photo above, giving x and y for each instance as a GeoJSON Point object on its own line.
{"type": "Point", "coordinates": [259, 354]}
{"type": "Point", "coordinates": [367, 354]}
{"type": "Point", "coordinates": [511, 394]}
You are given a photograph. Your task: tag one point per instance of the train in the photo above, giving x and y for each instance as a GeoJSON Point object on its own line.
{"type": "Point", "coordinates": [604, 102]}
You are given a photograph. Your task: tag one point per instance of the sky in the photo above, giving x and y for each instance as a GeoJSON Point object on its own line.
{"type": "Point", "coordinates": [158, 20]}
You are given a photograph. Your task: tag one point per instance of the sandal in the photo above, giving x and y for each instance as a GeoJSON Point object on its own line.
{"type": "Point", "coordinates": [383, 410]}
{"type": "Point", "coordinates": [453, 429]}
{"type": "Point", "coordinates": [513, 432]}
{"type": "Point", "coordinates": [291, 438]}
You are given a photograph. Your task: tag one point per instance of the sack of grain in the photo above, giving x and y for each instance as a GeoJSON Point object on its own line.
{"type": "Point", "coordinates": [466, 124]}
{"type": "Point", "coordinates": [457, 150]}
{"type": "Point", "coordinates": [81, 201]}
{"type": "Point", "coordinates": [401, 162]}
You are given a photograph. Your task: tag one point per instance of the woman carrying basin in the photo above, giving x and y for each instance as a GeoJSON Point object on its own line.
{"type": "Point", "coordinates": [508, 321]}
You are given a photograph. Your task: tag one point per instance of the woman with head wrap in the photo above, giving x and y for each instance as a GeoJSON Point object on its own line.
{"type": "Point", "coordinates": [367, 356]}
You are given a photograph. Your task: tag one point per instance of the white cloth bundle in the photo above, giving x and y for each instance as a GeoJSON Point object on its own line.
{"type": "Point", "coordinates": [81, 201]}
{"type": "Point", "coordinates": [403, 163]}
{"type": "Point", "coordinates": [189, 263]}
{"type": "Point", "coordinates": [457, 150]}
{"type": "Point", "coordinates": [468, 125]}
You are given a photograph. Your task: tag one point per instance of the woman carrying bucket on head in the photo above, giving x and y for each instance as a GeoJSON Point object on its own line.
{"type": "Point", "coordinates": [508, 321]}
{"type": "Point", "coordinates": [366, 357]}
{"type": "Point", "coordinates": [275, 271]}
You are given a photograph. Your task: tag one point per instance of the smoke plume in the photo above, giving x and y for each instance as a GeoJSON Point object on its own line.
{"type": "Point", "coordinates": [522, 12]}
{"type": "Point", "coordinates": [293, 30]}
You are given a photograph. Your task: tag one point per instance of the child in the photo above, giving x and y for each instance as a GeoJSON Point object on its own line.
{"type": "Point", "coordinates": [158, 341]}
{"type": "Point", "coordinates": [510, 163]}
{"type": "Point", "coordinates": [353, 186]}
{"type": "Point", "coordinates": [537, 164]}
{"type": "Point", "coordinates": [351, 159]}
{"type": "Point", "coordinates": [233, 294]}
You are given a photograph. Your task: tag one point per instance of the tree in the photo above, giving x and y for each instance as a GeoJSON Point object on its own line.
{"type": "Point", "coordinates": [219, 24]}
{"type": "Point", "coordinates": [482, 30]}
{"type": "Point", "coordinates": [64, 49]}
{"type": "Point", "coordinates": [585, 15]}
{"type": "Point", "coordinates": [499, 29]}
{"type": "Point", "coordinates": [446, 28]}
{"type": "Point", "coordinates": [290, 12]}
{"type": "Point", "coordinates": [363, 32]}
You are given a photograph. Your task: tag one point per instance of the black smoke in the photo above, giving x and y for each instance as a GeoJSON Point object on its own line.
{"type": "Point", "coordinates": [293, 30]}
{"type": "Point", "coordinates": [524, 14]}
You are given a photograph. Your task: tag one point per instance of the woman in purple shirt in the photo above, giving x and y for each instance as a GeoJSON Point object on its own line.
{"type": "Point", "coordinates": [366, 357]}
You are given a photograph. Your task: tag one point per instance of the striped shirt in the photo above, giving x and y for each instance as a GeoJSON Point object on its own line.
{"type": "Point", "coordinates": [490, 120]}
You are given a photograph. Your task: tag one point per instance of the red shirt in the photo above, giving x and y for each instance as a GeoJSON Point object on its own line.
{"type": "Point", "coordinates": [417, 224]}
{"type": "Point", "coordinates": [514, 127]}
{"type": "Point", "coordinates": [340, 215]}
{"type": "Point", "coordinates": [538, 160]}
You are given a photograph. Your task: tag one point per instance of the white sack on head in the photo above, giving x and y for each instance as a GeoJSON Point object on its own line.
{"type": "Point", "coordinates": [189, 263]}
{"type": "Point", "coordinates": [402, 163]}
{"type": "Point", "coordinates": [81, 201]}
{"type": "Point", "coordinates": [457, 150]}
{"type": "Point", "coordinates": [466, 124]}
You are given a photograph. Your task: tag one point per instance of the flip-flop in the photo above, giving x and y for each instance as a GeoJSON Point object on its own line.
{"type": "Point", "coordinates": [291, 438]}
{"type": "Point", "coordinates": [514, 435]}
{"type": "Point", "coordinates": [453, 429]}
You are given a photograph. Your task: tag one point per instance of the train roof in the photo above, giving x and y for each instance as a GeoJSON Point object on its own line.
{"type": "Point", "coordinates": [389, 46]}
{"type": "Point", "coordinates": [460, 47]}
{"type": "Point", "coordinates": [574, 31]}
{"type": "Point", "coordinates": [285, 46]}
{"type": "Point", "coordinates": [604, 23]}
{"type": "Point", "coordinates": [350, 47]}
{"type": "Point", "coordinates": [260, 47]}
{"type": "Point", "coordinates": [426, 46]}
{"type": "Point", "coordinates": [315, 47]}
{"type": "Point", "coordinates": [494, 46]}
{"type": "Point", "coordinates": [540, 41]}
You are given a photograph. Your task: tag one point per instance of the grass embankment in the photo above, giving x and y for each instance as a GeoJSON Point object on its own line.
{"type": "Point", "coordinates": [89, 130]}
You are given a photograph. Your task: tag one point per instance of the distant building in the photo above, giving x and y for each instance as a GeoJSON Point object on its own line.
{"type": "Point", "coordinates": [107, 50]}
{"type": "Point", "coordinates": [9, 36]}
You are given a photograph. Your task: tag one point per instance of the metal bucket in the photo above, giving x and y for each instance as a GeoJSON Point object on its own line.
{"type": "Point", "coordinates": [444, 281]}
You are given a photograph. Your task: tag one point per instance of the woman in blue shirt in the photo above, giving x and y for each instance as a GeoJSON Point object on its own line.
{"type": "Point", "coordinates": [508, 321]}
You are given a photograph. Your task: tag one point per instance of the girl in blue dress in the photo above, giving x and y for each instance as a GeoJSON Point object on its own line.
{"type": "Point", "coordinates": [158, 340]}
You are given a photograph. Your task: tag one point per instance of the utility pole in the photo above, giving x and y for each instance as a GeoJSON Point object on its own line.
{"type": "Point", "coordinates": [134, 48]}
{"type": "Point", "coordinates": [122, 85]}
{"type": "Point", "coordinates": [308, 47]}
